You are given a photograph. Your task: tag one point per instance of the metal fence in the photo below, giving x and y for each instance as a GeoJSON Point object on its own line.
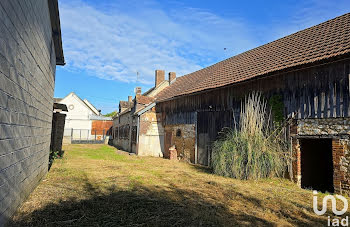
{"type": "Point", "coordinates": [81, 136]}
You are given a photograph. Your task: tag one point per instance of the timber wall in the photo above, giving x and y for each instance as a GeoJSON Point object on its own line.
{"type": "Point", "coordinates": [316, 92]}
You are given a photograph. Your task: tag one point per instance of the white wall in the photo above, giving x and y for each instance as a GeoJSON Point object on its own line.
{"type": "Point", "coordinates": [78, 115]}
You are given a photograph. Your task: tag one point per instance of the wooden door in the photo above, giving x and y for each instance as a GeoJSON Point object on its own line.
{"type": "Point", "coordinates": [167, 143]}
{"type": "Point", "coordinates": [209, 124]}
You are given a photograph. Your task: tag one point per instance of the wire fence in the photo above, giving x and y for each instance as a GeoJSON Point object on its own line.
{"type": "Point", "coordinates": [85, 135]}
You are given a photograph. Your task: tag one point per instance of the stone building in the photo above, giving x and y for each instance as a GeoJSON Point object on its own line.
{"type": "Point", "coordinates": [30, 49]}
{"type": "Point", "coordinates": [307, 70]}
{"type": "Point", "coordinates": [137, 128]}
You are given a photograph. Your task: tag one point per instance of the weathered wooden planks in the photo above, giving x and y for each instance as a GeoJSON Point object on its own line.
{"type": "Point", "coordinates": [318, 92]}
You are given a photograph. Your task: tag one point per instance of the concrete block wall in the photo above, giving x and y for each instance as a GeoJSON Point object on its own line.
{"type": "Point", "coordinates": [27, 76]}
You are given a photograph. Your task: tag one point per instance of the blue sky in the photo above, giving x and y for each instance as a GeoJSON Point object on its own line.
{"type": "Point", "coordinates": [107, 42]}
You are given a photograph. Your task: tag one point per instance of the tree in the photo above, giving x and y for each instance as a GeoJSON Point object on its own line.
{"type": "Point", "coordinates": [112, 114]}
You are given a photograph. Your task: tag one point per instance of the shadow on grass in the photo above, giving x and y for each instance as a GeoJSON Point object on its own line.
{"type": "Point", "coordinates": [151, 206]}
{"type": "Point", "coordinates": [201, 168]}
{"type": "Point", "coordinates": [139, 206]}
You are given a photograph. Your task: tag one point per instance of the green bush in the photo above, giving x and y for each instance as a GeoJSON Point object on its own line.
{"type": "Point", "coordinates": [253, 150]}
{"type": "Point", "coordinates": [53, 155]}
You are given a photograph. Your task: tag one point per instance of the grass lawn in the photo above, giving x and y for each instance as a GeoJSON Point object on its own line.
{"type": "Point", "coordinates": [96, 185]}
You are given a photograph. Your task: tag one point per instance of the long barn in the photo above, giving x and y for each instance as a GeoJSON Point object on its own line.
{"type": "Point", "coordinates": [308, 70]}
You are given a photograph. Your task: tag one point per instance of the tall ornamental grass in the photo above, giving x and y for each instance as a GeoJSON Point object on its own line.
{"type": "Point", "coordinates": [254, 149]}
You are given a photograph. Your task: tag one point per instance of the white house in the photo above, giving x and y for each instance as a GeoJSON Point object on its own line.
{"type": "Point", "coordinates": [80, 116]}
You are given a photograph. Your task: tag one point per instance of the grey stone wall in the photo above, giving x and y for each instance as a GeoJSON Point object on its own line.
{"type": "Point", "coordinates": [327, 126]}
{"type": "Point", "coordinates": [27, 75]}
{"type": "Point", "coordinates": [339, 130]}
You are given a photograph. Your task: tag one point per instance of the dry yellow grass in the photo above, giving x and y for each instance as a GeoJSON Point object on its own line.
{"type": "Point", "coordinates": [96, 185]}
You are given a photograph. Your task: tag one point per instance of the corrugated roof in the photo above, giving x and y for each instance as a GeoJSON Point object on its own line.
{"type": "Point", "coordinates": [320, 42]}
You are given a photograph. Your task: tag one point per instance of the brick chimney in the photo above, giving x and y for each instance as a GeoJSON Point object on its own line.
{"type": "Point", "coordinates": [172, 77]}
{"type": "Point", "coordinates": [138, 90]}
{"type": "Point", "coordinates": [160, 77]}
{"type": "Point", "coordinates": [129, 98]}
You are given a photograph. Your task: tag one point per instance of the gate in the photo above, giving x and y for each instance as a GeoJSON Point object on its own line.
{"type": "Point", "coordinates": [84, 136]}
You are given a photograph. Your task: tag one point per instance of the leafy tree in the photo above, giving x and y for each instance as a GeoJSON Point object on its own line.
{"type": "Point", "coordinates": [112, 114]}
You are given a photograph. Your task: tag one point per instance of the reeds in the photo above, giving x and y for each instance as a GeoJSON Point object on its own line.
{"type": "Point", "coordinates": [254, 149]}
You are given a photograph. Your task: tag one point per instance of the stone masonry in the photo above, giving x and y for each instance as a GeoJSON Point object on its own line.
{"type": "Point", "coordinates": [184, 139]}
{"type": "Point", "coordinates": [339, 130]}
{"type": "Point", "coordinates": [27, 76]}
{"type": "Point", "coordinates": [328, 126]}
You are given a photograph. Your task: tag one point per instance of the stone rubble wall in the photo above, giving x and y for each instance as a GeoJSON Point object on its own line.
{"type": "Point", "coordinates": [339, 130]}
{"type": "Point", "coordinates": [184, 144]}
{"type": "Point", "coordinates": [328, 126]}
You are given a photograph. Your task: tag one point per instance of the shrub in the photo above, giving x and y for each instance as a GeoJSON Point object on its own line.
{"type": "Point", "coordinates": [253, 149]}
{"type": "Point", "coordinates": [54, 155]}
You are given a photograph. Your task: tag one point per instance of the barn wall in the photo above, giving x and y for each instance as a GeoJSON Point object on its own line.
{"type": "Point", "coordinates": [317, 92]}
{"type": "Point", "coordinates": [183, 136]}
{"type": "Point", "coordinates": [27, 76]}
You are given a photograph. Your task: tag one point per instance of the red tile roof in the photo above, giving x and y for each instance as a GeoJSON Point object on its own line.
{"type": "Point", "coordinates": [144, 99]}
{"type": "Point", "coordinates": [320, 42]}
{"type": "Point", "coordinates": [126, 104]}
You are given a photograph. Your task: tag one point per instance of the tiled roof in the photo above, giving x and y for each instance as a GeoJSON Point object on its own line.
{"type": "Point", "coordinates": [144, 99]}
{"type": "Point", "coordinates": [126, 104]}
{"type": "Point", "coordinates": [320, 42]}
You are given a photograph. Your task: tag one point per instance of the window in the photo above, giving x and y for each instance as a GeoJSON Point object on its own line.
{"type": "Point", "coordinates": [178, 133]}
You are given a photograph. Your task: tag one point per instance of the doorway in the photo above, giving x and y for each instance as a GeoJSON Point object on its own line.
{"type": "Point", "coordinates": [317, 164]}
{"type": "Point", "coordinates": [209, 124]}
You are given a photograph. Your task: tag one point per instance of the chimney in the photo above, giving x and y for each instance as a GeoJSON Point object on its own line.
{"type": "Point", "coordinates": [138, 90]}
{"type": "Point", "coordinates": [172, 77]}
{"type": "Point", "coordinates": [160, 77]}
{"type": "Point", "coordinates": [129, 98]}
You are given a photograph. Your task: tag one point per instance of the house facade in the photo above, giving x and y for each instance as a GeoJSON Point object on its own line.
{"type": "Point", "coordinates": [308, 71]}
{"type": "Point", "coordinates": [83, 120]}
{"type": "Point", "coordinates": [137, 128]}
{"type": "Point", "coordinates": [30, 49]}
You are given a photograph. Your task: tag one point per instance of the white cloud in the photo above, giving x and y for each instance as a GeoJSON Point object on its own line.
{"type": "Point", "coordinates": [116, 43]}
